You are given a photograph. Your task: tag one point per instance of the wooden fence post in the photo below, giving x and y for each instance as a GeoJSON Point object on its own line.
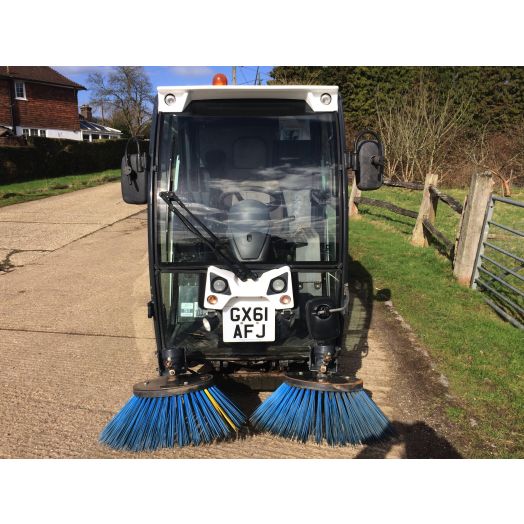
{"type": "Point", "coordinates": [355, 193]}
{"type": "Point", "coordinates": [457, 231]}
{"type": "Point", "coordinates": [428, 209]}
{"type": "Point", "coordinates": [471, 224]}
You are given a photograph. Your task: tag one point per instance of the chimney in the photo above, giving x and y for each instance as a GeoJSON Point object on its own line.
{"type": "Point", "coordinates": [86, 112]}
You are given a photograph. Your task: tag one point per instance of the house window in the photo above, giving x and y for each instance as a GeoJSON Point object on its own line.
{"type": "Point", "coordinates": [34, 132]}
{"type": "Point", "coordinates": [25, 132]}
{"type": "Point", "coordinates": [105, 137]}
{"type": "Point", "coordinates": [85, 136]}
{"type": "Point", "coordinates": [95, 137]}
{"type": "Point", "coordinates": [20, 90]}
{"type": "Point", "coordinates": [43, 132]}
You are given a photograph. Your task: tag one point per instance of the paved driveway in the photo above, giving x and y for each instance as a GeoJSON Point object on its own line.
{"type": "Point", "coordinates": [74, 335]}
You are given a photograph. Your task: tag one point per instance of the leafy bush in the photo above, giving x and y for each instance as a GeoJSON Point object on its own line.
{"type": "Point", "coordinates": [48, 158]}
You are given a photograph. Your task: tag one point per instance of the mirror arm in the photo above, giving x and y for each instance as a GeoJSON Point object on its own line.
{"type": "Point", "coordinates": [365, 132]}
{"type": "Point", "coordinates": [350, 158]}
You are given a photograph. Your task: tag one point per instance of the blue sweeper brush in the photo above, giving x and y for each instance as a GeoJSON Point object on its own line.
{"type": "Point", "coordinates": [314, 406]}
{"type": "Point", "coordinates": [171, 411]}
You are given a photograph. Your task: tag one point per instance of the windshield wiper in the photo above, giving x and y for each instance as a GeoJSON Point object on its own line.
{"type": "Point", "coordinates": [213, 242]}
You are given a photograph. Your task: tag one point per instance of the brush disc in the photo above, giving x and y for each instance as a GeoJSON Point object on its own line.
{"type": "Point", "coordinates": [334, 409]}
{"type": "Point", "coordinates": [171, 385]}
{"type": "Point", "coordinates": [320, 382]}
{"type": "Point", "coordinates": [173, 411]}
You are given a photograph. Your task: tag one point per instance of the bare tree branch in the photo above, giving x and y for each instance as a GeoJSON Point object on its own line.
{"type": "Point", "coordinates": [126, 92]}
{"type": "Point", "coordinates": [418, 132]}
{"type": "Point", "coordinates": [500, 153]}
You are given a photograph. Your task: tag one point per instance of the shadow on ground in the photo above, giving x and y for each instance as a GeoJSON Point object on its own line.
{"type": "Point", "coordinates": [419, 441]}
{"type": "Point", "coordinates": [407, 222]}
{"type": "Point", "coordinates": [358, 322]}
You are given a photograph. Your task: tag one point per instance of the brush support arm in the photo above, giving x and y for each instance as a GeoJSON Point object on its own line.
{"type": "Point", "coordinates": [325, 326]}
{"type": "Point", "coordinates": [323, 357]}
{"type": "Point", "coordinates": [174, 360]}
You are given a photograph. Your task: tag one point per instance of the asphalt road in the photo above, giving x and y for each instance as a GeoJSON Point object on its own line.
{"type": "Point", "coordinates": [74, 337]}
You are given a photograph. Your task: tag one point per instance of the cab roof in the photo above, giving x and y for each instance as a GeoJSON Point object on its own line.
{"type": "Point", "coordinates": [186, 94]}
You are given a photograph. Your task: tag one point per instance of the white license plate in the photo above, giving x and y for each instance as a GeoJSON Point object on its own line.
{"type": "Point", "coordinates": [248, 320]}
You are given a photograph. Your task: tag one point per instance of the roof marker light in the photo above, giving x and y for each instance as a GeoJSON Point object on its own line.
{"type": "Point", "coordinates": [219, 80]}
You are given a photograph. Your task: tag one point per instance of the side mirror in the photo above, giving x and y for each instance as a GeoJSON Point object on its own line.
{"type": "Point", "coordinates": [368, 161]}
{"type": "Point", "coordinates": [133, 178]}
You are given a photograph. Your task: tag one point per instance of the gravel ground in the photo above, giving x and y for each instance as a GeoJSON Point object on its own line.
{"type": "Point", "coordinates": [74, 337]}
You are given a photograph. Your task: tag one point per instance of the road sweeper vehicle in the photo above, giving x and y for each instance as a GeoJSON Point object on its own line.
{"type": "Point", "coordinates": [247, 195]}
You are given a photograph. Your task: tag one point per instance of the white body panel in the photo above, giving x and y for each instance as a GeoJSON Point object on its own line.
{"type": "Point", "coordinates": [185, 94]}
{"type": "Point", "coordinates": [249, 288]}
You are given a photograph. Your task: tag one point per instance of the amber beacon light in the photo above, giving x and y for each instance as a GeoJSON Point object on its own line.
{"type": "Point", "coordinates": [219, 80]}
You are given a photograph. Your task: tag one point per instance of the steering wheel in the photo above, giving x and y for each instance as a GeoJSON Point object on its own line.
{"type": "Point", "coordinates": [239, 197]}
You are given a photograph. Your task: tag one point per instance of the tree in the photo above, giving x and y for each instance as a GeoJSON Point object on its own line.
{"type": "Point", "coordinates": [360, 87]}
{"type": "Point", "coordinates": [419, 131]}
{"type": "Point", "coordinates": [496, 94]}
{"type": "Point", "coordinates": [126, 93]}
{"type": "Point", "coordinates": [432, 117]}
{"type": "Point", "coordinates": [117, 120]}
{"type": "Point", "coordinates": [501, 153]}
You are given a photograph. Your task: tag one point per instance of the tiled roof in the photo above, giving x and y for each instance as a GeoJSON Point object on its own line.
{"type": "Point", "coordinates": [43, 74]}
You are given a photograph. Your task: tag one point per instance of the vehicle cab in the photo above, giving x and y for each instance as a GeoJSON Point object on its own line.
{"type": "Point", "coordinates": [247, 205]}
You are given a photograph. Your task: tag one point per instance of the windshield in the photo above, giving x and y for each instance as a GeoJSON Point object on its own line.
{"type": "Point", "coordinates": [266, 186]}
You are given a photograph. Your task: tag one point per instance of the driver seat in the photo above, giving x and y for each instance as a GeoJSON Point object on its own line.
{"type": "Point", "coordinates": [250, 157]}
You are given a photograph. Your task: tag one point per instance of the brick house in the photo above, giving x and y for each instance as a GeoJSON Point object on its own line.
{"type": "Point", "coordinates": [39, 101]}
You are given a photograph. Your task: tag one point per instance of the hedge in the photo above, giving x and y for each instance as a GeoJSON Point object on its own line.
{"type": "Point", "coordinates": [48, 158]}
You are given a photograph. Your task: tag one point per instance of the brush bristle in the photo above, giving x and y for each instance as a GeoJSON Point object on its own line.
{"type": "Point", "coordinates": [145, 423]}
{"type": "Point", "coordinates": [339, 418]}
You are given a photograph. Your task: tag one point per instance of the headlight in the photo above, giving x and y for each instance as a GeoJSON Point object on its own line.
{"type": "Point", "coordinates": [219, 285]}
{"type": "Point", "coordinates": [278, 285]}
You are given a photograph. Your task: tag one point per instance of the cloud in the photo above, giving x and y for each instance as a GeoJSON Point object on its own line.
{"type": "Point", "coordinates": [193, 70]}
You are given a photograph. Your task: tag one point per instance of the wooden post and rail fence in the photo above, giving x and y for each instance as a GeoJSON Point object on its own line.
{"type": "Point", "coordinates": [462, 252]}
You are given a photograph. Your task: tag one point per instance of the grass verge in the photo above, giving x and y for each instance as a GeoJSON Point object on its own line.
{"type": "Point", "coordinates": [36, 189]}
{"type": "Point", "coordinates": [481, 355]}
{"type": "Point", "coordinates": [447, 221]}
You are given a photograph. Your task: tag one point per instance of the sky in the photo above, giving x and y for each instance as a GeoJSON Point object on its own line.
{"type": "Point", "coordinates": [167, 75]}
